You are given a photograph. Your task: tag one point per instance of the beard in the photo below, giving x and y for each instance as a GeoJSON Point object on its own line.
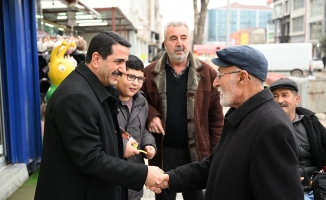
{"type": "Point", "coordinates": [226, 97]}
{"type": "Point", "coordinates": [178, 58]}
{"type": "Point", "coordinates": [225, 100]}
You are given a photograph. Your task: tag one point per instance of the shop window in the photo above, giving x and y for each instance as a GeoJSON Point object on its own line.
{"type": "Point", "coordinates": [297, 4]}
{"type": "Point", "coordinates": [316, 7]}
{"type": "Point", "coordinates": [298, 24]}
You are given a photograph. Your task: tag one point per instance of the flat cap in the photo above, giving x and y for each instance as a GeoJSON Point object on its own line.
{"type": "Point", "coordinates": [244, 57]}
{"type": "Point", "coordinates": [284, 83]}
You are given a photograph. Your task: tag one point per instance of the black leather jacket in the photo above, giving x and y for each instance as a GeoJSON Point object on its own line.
{"type": "Point", "coordinates": [317, 138]}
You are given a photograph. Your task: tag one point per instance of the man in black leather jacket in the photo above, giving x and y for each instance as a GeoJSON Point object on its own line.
{"type": "Point", "coordinates": [310, 133]}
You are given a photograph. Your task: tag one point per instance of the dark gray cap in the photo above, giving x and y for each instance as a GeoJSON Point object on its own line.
{"type": "Point", "coordinates": [284, 83]}
{"type": "Point", "coordinates": [244, 57]}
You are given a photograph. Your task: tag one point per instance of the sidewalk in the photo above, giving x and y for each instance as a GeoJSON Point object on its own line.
{"type": "Point", "coordinates": [27, 190]}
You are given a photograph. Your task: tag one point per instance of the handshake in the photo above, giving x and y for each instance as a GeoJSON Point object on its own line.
{"type": "Point", "coordinates": [156, 179]}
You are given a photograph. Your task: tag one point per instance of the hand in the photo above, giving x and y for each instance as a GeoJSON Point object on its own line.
{"type": "Point", "coordinates": [150, 151]}
{"type": "Point", "coordinates": [163, 185]}
{"type": "Point", "coordinates": [154, 177]}
{"type": "Point", "coordinates": [155, 126]}
{"type": "Point", "coordinates": [130, 150]}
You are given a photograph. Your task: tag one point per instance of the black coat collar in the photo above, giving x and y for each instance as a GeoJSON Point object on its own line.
{"type": "Point", "coordinates": [251, 104]}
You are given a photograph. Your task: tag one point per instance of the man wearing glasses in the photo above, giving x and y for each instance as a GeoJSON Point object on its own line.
{"type": "Point", "coordinates": [132, 117]}
{"type": "Point", "coordinates": [256, 157]}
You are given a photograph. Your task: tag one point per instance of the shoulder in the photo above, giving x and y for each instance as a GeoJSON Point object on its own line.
{"type": "Point", "coordinates": [141, 94]}
{"type": "Point", "coordinates": [304, 111]}
{"type": "Point", "coordinates": [205, 67]}
{"type": "Point", "coordinates": [140, 98]}
{"type": "Point", "coordinates": [151, 65]}
{"type": "Point", "coordinates": [269, 112]}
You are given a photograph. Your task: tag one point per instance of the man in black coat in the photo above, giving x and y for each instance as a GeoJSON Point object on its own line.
{"type": "Point", "coordinates": [256, 157]}
{"type": "Point", "coordinates": [310, 133]}
{"type": "Point", "coordinates": [82, 147]}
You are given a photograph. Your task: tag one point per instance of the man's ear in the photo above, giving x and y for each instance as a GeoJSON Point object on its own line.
{"type": "Point", "coordinates": [243, 76]}
{"type": "Point", "coordinates": [297, 100]}
{"type": "Point", "coordinates": [95, 59]}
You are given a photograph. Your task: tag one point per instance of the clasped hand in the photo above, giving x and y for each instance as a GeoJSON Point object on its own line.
{"type": "Point", "coordinates": [156, 179]}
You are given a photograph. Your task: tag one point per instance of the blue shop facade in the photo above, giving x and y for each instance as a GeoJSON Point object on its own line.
{"type": "Point", "coordinates": [20, 117]}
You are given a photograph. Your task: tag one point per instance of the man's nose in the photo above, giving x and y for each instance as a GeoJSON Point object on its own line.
{"type": "Point", "coordinates": [122, 68]}
{"type": "Point", "coordinates": [278, 99]}
{"type": "Point", "coordinates": [216, 82]}
{"type": "Point", "coordinates": [179, 42]}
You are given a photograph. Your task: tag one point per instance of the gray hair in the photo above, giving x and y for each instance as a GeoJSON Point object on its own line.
{"type": "Point", "coordinates": [175, 23]}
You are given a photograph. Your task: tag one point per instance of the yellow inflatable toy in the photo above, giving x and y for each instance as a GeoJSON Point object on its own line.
{"type": "Point", "coordinates": [59, 67]}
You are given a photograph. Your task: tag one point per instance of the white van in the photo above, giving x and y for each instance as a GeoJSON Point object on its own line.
{"type": "Point", "coordinates": [295, 58]}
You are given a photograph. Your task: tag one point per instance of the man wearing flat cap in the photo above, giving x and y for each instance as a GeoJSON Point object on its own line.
{"type": "Point", "coordinates": [255, 158]}
{"type": "Point", "coordinates": [310, 133]}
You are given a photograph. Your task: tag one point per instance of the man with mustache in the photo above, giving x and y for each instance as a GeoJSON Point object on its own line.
{"type": "Point", "coordinates": [255, 158]}
{"type": "Point", "coordinates": [310, 133]}
{"type": "Point", "coordinates": [82, 147]}
{"type": "Point", "coordinates": [184, 110]}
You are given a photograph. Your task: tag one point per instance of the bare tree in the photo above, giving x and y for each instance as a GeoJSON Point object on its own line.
{"type": "Point", "coordinates": [199, 21]}
{"type": "Point", "coordinates": [322, 42]}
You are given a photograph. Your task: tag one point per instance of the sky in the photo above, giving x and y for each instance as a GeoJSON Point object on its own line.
{"type": "Point", "coordinates": [183, 9]}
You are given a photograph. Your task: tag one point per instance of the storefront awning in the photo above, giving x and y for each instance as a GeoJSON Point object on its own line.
{"type": "Point", "coordinates": [111, 19]}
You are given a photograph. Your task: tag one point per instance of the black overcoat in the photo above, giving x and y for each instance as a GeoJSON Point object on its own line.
{"type": "Point", "coordinates": [82, 147]}
{"type": "Point", "coordinates": [255, 159]}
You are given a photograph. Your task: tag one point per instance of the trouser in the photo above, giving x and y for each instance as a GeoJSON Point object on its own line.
{"type": "Point", "coordinates": [172, 158]}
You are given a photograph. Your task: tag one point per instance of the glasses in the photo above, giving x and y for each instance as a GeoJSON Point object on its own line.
{"type": "Point", "coordinates": [219, 75]}
{"type": "Point", "coordinates": [131, 77]}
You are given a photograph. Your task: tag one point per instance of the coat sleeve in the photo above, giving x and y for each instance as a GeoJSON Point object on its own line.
{"type": "Point", "coordinates": [152, 112]}
{"type": "Point", "coordinates": [192, 176]}
{"type": "Point", "coordinates": [274, 169]}
{"type": "Point", "coordinates": [78, 118]}
{"type": "Point", "coordinates": [147, 137]}
{"type": "Point", "coordinates": [322, 131]}
{"type": "Point", "coordinates": [215, 113]}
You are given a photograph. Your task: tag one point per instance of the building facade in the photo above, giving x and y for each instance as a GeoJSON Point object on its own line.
{"type": "Point", "coordinates": [241, 17]}
{"type": "Point", "coordinates": [249, 36]}
{"type": "Point", "coordinates": [299, 21]}
{"type": "Point", "coordinates": [138, 21]}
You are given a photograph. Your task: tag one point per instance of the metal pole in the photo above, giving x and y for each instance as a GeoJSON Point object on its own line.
{"type": "Point", "coordinates": [227, 44]}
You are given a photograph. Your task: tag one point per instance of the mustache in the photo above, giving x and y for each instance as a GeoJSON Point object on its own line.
{"type": "Point", "coordinates": [179, 49]}
{"type": "Point", "coordinates": [116, 73]}
{"type": "Point", "coordinates": [283, 104]}
{"type": "Point", "coordinates": [219, 89]}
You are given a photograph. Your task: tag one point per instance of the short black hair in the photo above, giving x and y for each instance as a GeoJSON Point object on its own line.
{"type": "Point", "coordinates": [134, 63]}
{"type": "Point", "coordinates": [102, 43]}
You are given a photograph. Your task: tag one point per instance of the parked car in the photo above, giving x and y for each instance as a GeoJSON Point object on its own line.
{"type": "Point", "coordinates": [317, 64]}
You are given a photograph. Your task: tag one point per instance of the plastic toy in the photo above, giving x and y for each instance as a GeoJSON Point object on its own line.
{"type": "Point", "coordinates": [59, 67]}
